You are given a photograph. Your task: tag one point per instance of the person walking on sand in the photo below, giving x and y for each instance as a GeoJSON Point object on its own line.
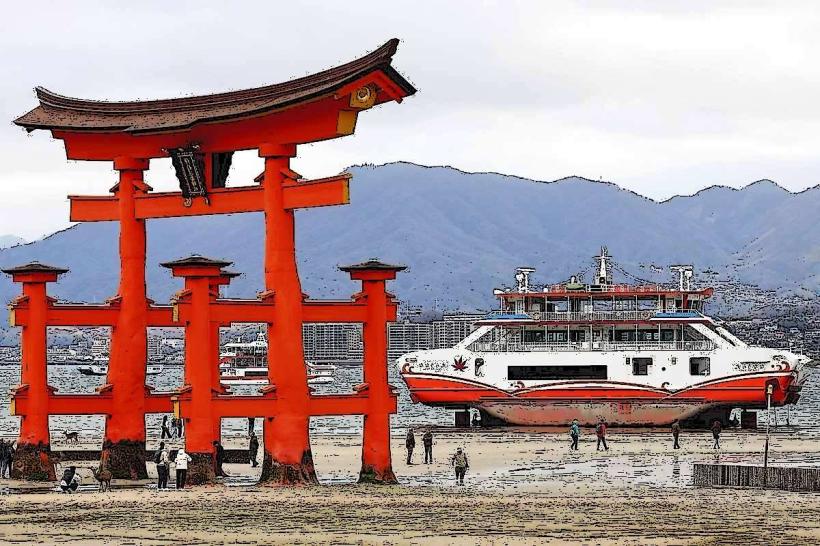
{"type": "Point", "coordinates": [460, 464]}
{"type": "Point", "coordinates": [716, 428]}
{"type": "Point", "coordinates": [410, 444]}
{"type": "Point", "coordinates": [427, 440]}
{"type": "Point", "coordinates": [9, 457]}
{"type": "Point", "coordinates": [165, 432]}
{"type": "Point", "coordinates": [253, 449]}
{"type": "Point", "coordinates": [219, 458]}
{"type": "Point", "coordinates": [3, 457]}
{"type": "Point", "coordinates": [676, 433]}
{"type": "Point", "coordinates": [600, 432]}
{"type": "Point", "coordinates": [574, 433]}
{"type": "Point", "coordinates": [181, 462]}
{"type": "Point", "coordinates": [163, 462]}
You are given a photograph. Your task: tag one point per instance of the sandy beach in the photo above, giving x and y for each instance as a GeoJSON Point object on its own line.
{"type": "Point", "coordinates": [522, 488]}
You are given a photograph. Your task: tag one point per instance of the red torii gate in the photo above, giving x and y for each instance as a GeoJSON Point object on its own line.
{"type": "Point", "coordinates": [200, 134]}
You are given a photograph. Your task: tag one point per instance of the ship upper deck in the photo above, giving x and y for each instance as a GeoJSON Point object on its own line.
{"type": "Point", "coordinates": [557, 292]}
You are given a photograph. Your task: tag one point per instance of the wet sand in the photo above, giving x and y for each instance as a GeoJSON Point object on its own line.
{"type": "Point", "coordinates": [522, 488]}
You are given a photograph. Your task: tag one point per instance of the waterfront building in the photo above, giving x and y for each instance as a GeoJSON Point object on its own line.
{"type": "Point", "coordinates": [403, 337]}
{"type": "Point", "coordinates": [453, 328]}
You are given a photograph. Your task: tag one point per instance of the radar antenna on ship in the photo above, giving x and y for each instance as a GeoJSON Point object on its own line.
{"type": "Point", "coordinates": [522, 278]}
{"type": "Point", "coordinates": [685, 274]}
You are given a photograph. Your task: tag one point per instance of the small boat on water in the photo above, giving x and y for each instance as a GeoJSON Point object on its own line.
{"type": "Point", "coordinates": [246, 363]}
{"type": "Point", "coordinates": [94, 369]}
{"type": "Point", "coordinates": [259, 376]}
{"type": "Point", "coordinates": [102, 369]}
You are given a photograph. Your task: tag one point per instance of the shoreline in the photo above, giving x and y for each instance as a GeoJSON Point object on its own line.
{"type": "Point", "coordinates": [521, 488]}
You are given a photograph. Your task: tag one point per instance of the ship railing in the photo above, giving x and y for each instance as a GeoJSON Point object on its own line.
{"type": "Point", "coordinates": [519, 347]}
{"type": "Point", "coordinates": [583, 316]}
{"type": "Point", "coordinates": [609, 288]}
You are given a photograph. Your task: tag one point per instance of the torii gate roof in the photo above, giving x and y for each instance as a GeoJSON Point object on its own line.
{"type": "Point", "coordinates": [62, 113]}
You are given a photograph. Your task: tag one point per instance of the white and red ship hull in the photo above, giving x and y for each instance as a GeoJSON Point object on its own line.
{"type": "Point", "coordinates": [620, 404]}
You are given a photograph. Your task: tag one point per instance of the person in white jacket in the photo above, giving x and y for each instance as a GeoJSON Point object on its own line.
{"type": "Point", "coordinates": [182, 467]}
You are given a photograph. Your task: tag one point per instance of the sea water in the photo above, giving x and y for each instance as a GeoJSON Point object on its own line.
{"type": "Point", "coordinates": [67, 379]}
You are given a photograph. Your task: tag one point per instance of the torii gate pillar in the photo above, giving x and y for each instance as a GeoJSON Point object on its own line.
{"type": "Point", "coordinates": [124, 443]}
{"type": "Point", "coordinates": [32, 461]}
{"type": "Point", "coordinates": [202, 279]}
{"type": "Point", "coordinates": [377, 466]}
{"type": "Point", "coordinates": [287, 455]}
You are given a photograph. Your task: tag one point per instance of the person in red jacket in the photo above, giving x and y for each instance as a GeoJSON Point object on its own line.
{"type": "Point", "coordinates": [600, 431]}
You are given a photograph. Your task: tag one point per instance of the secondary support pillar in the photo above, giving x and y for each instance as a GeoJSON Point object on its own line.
{"type": "Point", "coordinates": [124, 444]}
{"type": "Point", "coordinates": [377, 465]}
{"type": "Point", "coordinates": [287, 455]}
{"type": "Point", "coordinates": [32, 461]}
{"type": "Point", "coordinates": [202, 277]}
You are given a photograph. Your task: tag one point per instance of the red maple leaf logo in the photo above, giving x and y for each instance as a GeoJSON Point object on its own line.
{"type": "Point", "coordinates": [460, 363]}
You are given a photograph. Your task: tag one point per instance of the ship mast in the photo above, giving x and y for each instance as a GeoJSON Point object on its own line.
{"type": "Point", "coordinates": [604, 276]}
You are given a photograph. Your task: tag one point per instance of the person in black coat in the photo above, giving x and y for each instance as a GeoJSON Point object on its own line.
{"type": "Point", "coordinates": [166, 433]}
{"type": "Point", "coordinates": [410, 443]}
{"type": "Point", "coordinates": [253, 449]}
{"type": "Point", "coordinates": [220, 458]}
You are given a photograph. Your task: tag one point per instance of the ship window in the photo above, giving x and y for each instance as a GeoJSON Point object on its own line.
{"type": "Point", "coordinates": [523, 373]}
{"type": "Point", "coordinates": [534, 336]}
{"type": "Point", "coordinates": [640, 366]}
{"type": "Point", "coordinates": [667, 335]}
{"type": "Point", "coordinates": [699, 365]}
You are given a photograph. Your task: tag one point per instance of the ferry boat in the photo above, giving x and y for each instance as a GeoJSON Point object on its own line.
{"type": "Point", "coordinates": [631, 354]}
{"type": "Point", "coordinates": [246, 363]}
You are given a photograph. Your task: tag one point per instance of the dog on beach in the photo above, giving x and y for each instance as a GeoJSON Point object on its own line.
{"type": "Point", "coordinates": [72, 437]}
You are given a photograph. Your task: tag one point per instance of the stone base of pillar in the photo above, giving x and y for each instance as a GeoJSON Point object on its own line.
{"type": "Point", "coordinates": [33, 462]}
{"type": "Point", "coordinates": [201, 469]}
{"type": "Point", "coordinates": [275, 473]}
{"type": "Point", "coordinates": [369, 474]}
{"type": "Point", "coordinates": [125, 459]}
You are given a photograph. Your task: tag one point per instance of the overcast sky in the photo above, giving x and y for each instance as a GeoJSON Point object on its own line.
{"type": "Point", "coordinates": [661, 100]}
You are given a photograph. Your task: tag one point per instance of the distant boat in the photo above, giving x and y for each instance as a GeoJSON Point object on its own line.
{"type": "Point", "coordinates": [243, 363]}
{"type": "Point", "coordinates": [102, 369]}
{"type": "Point", "coordinates": [94, 369]}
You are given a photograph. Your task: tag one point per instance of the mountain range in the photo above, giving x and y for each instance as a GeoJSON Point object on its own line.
{"type": "Point", "coordinates": [7, 241]}
{"type": "Point", "coordinates": [462, 234]}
